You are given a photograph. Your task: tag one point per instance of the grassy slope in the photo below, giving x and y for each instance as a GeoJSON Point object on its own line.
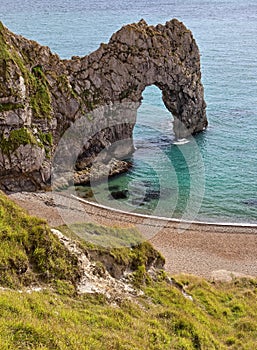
{"type": "Point", "coordinates": [29, 252]}
{"type": "Point", "coordinates": [221, 316]}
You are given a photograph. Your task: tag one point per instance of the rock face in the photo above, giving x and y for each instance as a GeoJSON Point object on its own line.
{"type": "Point", "coordinates": [42, 96]}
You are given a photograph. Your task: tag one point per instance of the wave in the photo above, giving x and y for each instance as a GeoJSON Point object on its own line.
{"type": "Point", "coordinates": [180, 142]}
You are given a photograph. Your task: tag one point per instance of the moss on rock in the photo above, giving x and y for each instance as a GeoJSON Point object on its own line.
{"type": "Point", "coordinates": [40, 100]}
{"type": "Point", "coordinates": [10, 106]}
{"type": "Point", "coordinates": [17, 137]}
{"type": "Point", "coordinates": [34, 79]}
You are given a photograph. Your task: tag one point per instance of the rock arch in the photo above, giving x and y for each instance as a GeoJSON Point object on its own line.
{"type": "Point", "coordinates": [137, 56]}
{"type": "Point", "coordinates": [42, 95]}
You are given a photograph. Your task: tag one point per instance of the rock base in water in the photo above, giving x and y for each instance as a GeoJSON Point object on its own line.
{"type": "Point", "coordinates": [100, 171]}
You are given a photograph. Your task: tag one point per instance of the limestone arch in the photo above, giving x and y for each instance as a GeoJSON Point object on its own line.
{"type": "Point", "coordinates": [138, 56]}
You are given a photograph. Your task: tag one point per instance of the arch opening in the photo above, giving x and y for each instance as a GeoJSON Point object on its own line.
{"type": "Point", "coordinates": [153, 119]}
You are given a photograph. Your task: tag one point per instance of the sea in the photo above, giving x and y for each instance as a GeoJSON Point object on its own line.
{"type": "Point", "coordinates": [211, 177]}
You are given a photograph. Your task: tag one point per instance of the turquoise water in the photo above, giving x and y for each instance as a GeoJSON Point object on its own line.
{"type": "Point", "coordinates": [213, 177]}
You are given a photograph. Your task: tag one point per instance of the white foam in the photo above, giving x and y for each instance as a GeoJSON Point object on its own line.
{"type": "Point", "coordinates": [167, 219]}
{"type": "Point", "coordinates": [180, 142]}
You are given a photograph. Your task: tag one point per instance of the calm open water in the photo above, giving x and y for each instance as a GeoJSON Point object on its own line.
{"type": "Point", "coordinates": [214, 176]}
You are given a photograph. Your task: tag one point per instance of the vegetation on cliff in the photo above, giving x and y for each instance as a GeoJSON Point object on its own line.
{"type": "Point", "coordinates": [40, 100]}
{"type": "Point", "coordinates": [24, 95]}
{"type": "Point", "coordinates": [14, 64]}
{"type": "Point", "coordinates": [17, 138]}
{"type": "Point", "coordinates": [29, 252]}
{"type": "Point", "coordinates": [185, 312]}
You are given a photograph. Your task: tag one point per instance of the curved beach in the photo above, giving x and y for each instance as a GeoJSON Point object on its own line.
{"type": "Point", "coordinates": [214, 251]}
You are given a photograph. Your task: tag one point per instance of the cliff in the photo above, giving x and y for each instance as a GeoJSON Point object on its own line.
{"type": "Point", "coordinates": [42, 97]}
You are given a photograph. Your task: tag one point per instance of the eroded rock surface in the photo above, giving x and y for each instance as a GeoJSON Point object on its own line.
{"type": "Point", "coordinates": [41, 96]}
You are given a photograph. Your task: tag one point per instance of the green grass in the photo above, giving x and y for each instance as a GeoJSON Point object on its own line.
{"type": "Point", "coordinates": [108, 237]}
{"type": "Point", "coordinates": [29, 252]}
{"type": "Point", "coordinates": [220, 316]}
{"type": "Point", "coordinates": [162, 319]}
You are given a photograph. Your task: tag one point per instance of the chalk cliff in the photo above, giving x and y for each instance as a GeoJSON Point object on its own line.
{"type": "Point", "coordinates": [42, 96]}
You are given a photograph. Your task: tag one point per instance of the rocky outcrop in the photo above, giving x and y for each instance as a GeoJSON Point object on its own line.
{"type": "Point", "coordinates": [42, 96]}
{"type": "Point", "coordinates": [89, 174]}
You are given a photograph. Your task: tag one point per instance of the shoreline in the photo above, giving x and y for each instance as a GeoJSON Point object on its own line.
{"type": "Point", "coordinates": [163, 218]}
{"type": "Point", "coordinates": [212, 251]}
